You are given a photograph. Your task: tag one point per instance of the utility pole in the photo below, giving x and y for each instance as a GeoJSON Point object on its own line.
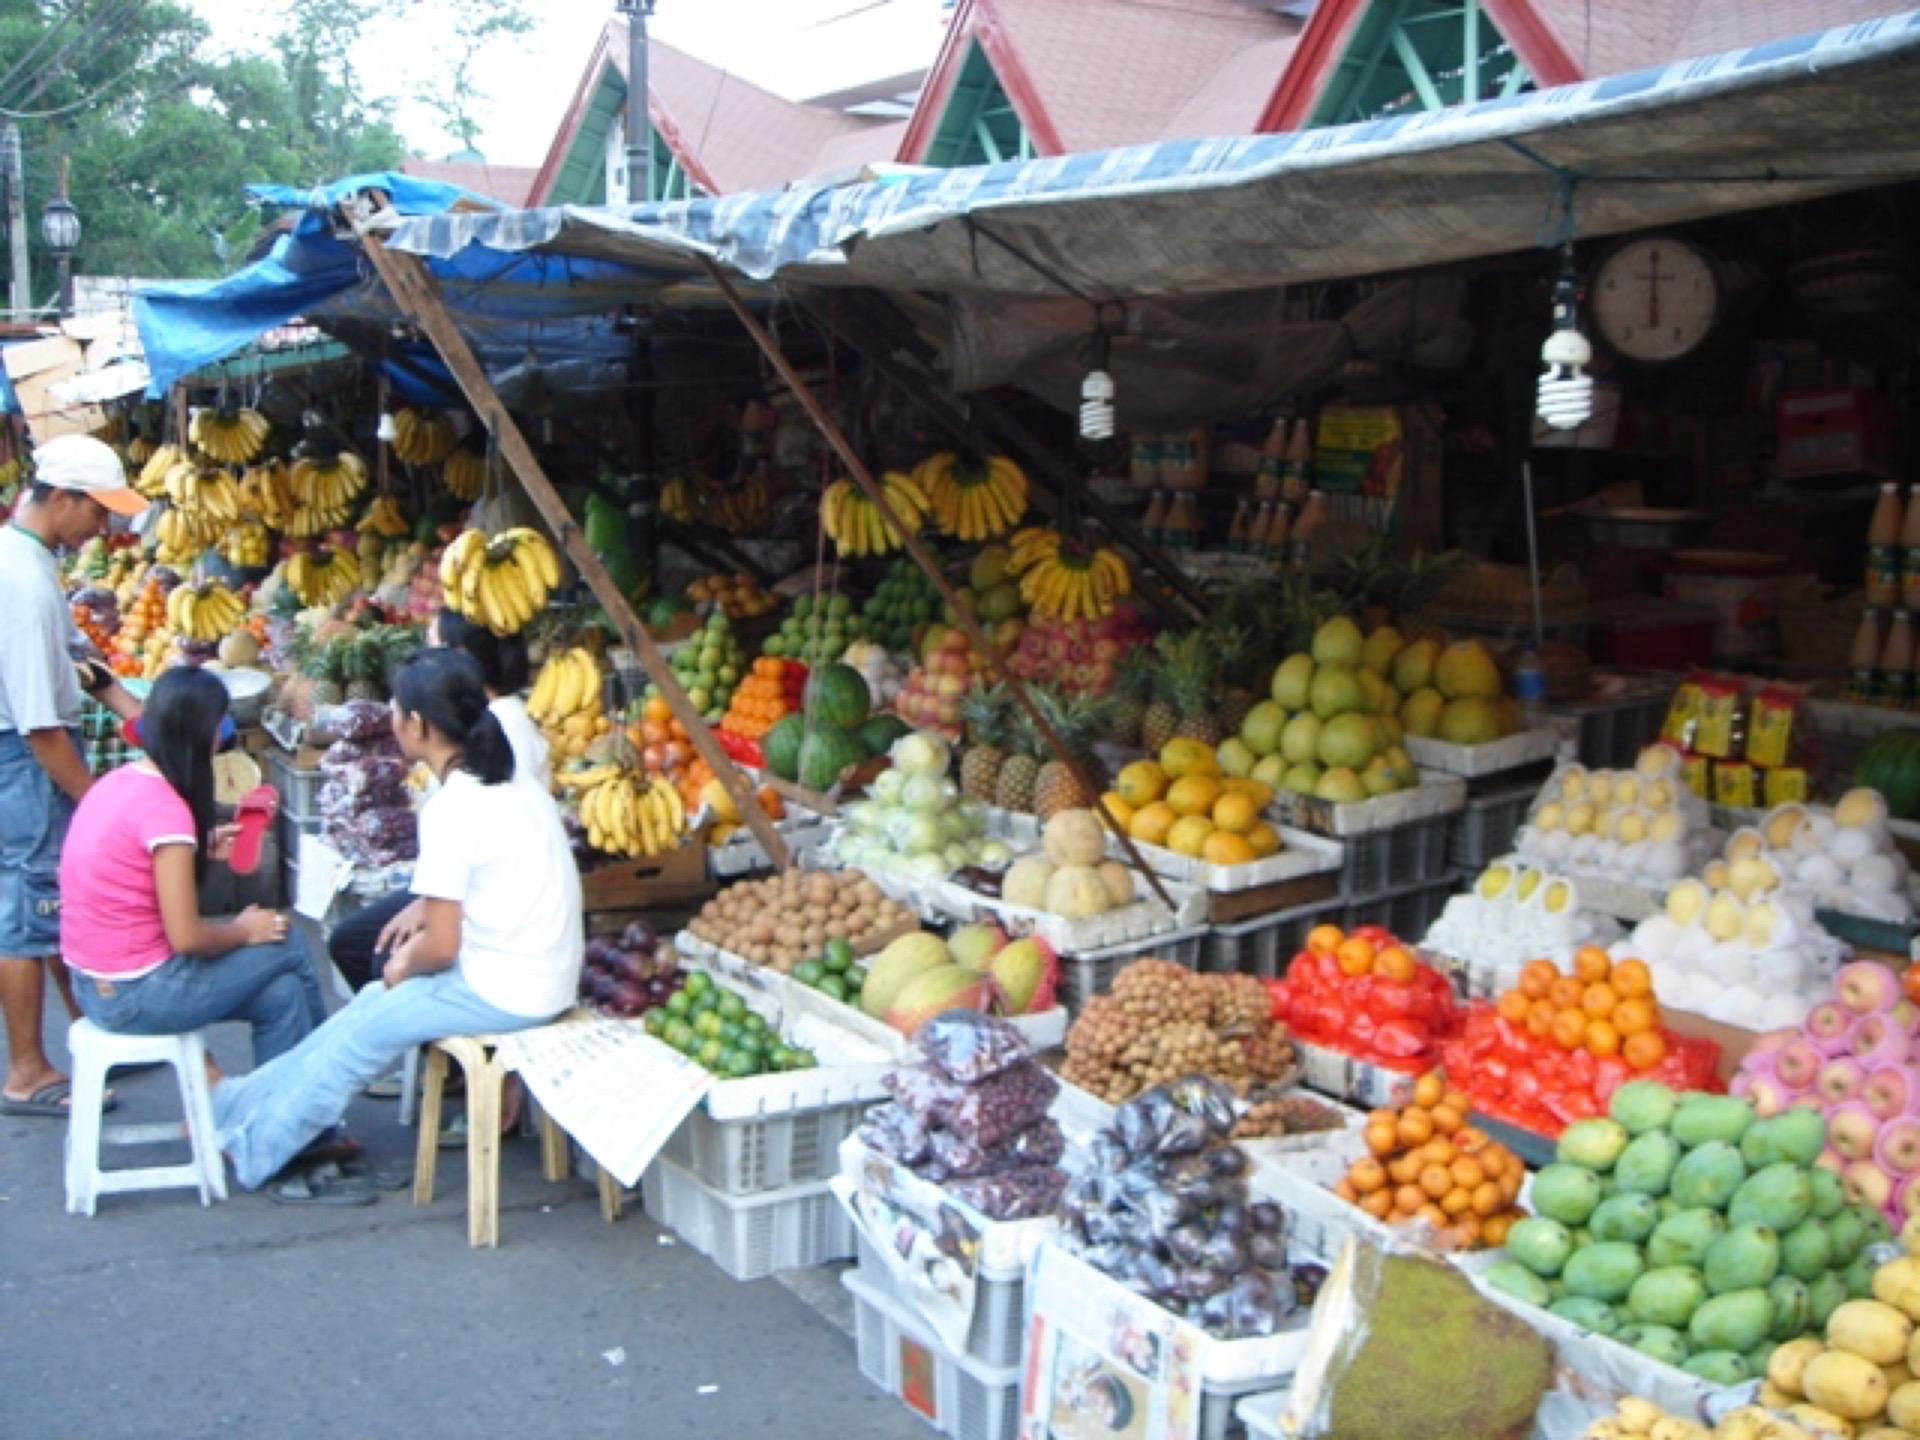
{"type": "Point", "coordinates": [13, 181]}
{"type": "Point", "coordinates": [639, 115]}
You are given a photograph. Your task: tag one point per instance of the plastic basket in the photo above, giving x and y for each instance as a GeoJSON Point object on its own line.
{"type": "Point", "coordinates": [765, 1152]}
{"type": "Point", "coordinates": [299, 790]}
{"type": "Point", "coordinates": [1220, 1417]}
{"type": "Point", "coordinates": [1259, 1413]}
{"type": "Point", "coordinates": [754, 1236]}
{"type": "Point", "coordinates": [1407, 910]}
{"type": "Point", "coordinates": [1614, 732]}
{"type": "Point", "coordinates": [956, 1394]}
{"type": "Point", "coordinates": [1264, 945]}
{"type": "Point", "coordinates": [1092, 972]}
{"type": "Point", "coordinates": [1398, 856]}
{"type": "Point", "coordinates": [1487, 827]}
{"type": "Point", "coordinates": [997, 1334]}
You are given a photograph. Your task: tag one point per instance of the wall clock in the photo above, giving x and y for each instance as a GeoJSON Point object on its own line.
{"type": "Point", "coordinates": [1655, 298]}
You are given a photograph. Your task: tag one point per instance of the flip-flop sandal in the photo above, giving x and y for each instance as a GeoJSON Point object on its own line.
{"type": "Point", "coordinates": [330, 1147]}
{"type": "Point", "coordinates": [51, 1102]}
{"type": "Point", "coordinates": [379, 1177]}
{"type": "Point", "coordinates": [315, 1187]}
{"type": "Point", "coordinates": [253, 815]}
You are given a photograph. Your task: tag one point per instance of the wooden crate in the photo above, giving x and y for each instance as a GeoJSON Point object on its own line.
{"type": "Point", "coordinates": [676, 880]}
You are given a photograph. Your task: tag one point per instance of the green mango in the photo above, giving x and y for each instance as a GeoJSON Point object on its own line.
{"type": "Point", "coordinates": [1624, 1217]}
{"type": "Point", "coordinates": [1685, 1238]}
{"type": "Point", "coordinates": [1593, 1144]}
{"type": "Point", "coordinates": [1745, 1258]}
{"type": "Point", "coordinates": [1829, 1195]}
{"type": "Point", "coordinates": [1779, 1197]}
{"type": "Point", "coordinates": [1708, 1175]}
{"type": "Point", "coordinates": [1796, 1135]}
{"type": "Point", "coordinates": [1859, 1276]}
{"type": "Point", "coordinates": [1540, 1244]}
{"type": "Point", "coordinates": [1588, 1314]}
{"type": "Point", "coordinates": [1846, 1235]}
{"type": "Point", "coordinates": [1792, 1307]}
{"type": "Point", "coordinates": [1667, 1297]}
{"type": "Point", "coordinates": [1760, 1357]}
{"type": "Point", "coordinates": [1701, 1118]}
{"type": "Point", "coordinates": [1878, 1229]}
{"type": "Point", "coordinates": [1640, 1106]}
{"type": "Point", "coordinates": [1738, 1320]}
{"type": "Point", "coordinates": [1510, 1277]}
{"type": "Point", "coordinates": [1718, 1367]}
{"type": "Point", "coordinates": [1669, 1207]}
{"type": "Point", "coordinates": [1646, 1166]}
{"type": "Point", "coordinates": [1605, 1270]}
{"type": "Point", "coordinates": [1824, 1296]}
{"type": "Point", "coordinates": [1662, 1342]}
{"type": "Point", "coordinates": [1567, 1193]}
{"type": "Point", "coordinates": [1806, 1251]}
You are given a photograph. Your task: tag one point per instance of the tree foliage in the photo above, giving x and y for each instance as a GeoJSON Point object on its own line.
{"type": "Point", "coordinates": [452, 90]}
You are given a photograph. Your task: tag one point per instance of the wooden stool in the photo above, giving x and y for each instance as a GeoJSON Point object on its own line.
{"type": "Point", "coordinates": [485, 1077]}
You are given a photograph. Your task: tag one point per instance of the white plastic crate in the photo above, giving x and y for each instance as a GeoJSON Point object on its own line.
{"type": "Point", "coordinates": [1220, 1417]}
{"type": "Point", "coordinates": [1264, 945]}
{"type": "Point", "coordinates": [764, 1152]}
{"type": "Point", "coordinates": [299, 790]}
{"type": "Point", "coordinates": [1259, 1413]}
{"type": "Point", "coordinates": [997, 1334]}
{"type": "Point", "coordinates": [749, 1236]}
{"type": "Point", "coordinates": [1092, 972]}
{"type": "Point", "coordinates": [1408, 911]}
{"type": "Point", "coordinates": [956, 1394]}
{"type": "Point", "coordinates": [1472, 762]}
{"type": "Point", "coordinates": [1487, 827]}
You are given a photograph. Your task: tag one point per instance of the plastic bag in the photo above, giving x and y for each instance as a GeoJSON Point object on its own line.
{"type": "Point", "coordinates": [890, 1130]}
{"type": "Point", "coordinates": [968, 1047]}
{"type": "Point", "coordinates": [358, 720]}
{"type": "Point", "coordinates": [1041, 1143]}
{"type": "Point", "coordinates": [985, 1113]}
{"type": "Point", "coordinates": [1016, 1194]}
{"type": "Point", "coordinates": [369, 773]}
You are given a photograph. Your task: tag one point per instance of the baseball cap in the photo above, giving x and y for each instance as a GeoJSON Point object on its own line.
{"type": "Point", "coordinates": [80, 462]}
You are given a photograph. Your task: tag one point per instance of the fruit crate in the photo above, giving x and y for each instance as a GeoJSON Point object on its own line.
{"type": "Point", "coordinates": [1265, 945]}
{"type": "Point", "coordinates": [298, 788]}
{"type": "Point", "coordinates": [1259, 1413]}
{"type": "Point", "coordinates": [1399, 856]}
{"type": "Point", "coordinates": [749, 1236]}
{"type": "Point", "coordinates": [956, 1394]}
{"type": "Point", "coordinates": [997, 1334]}
{"type": "Point", "coordinates": [1091, 972]}
{"type": "Point", "coordinates": [765, 1152]}
{"type": "Point", "coordinates": [1613, 728]}
{"type": "Point", "coordinates": [1487, 826]}
{"type": "Point", "coordinates": [1408, 911]}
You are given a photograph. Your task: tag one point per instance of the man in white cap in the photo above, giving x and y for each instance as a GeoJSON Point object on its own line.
{"type": "Point", "coordinates": [77, 485]}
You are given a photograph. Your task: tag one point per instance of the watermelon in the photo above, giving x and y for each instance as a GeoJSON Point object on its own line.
{"type": "Point", "coordinates": [880, 731]}
{"type": "Point", "coordinates": [837, 695]}
{"type": "Point", "coordinates": [781, 746]}
{"type": "Point", "coordinates": [829, 750]}
{"type": "Point", "coordinates": [1891, 765]}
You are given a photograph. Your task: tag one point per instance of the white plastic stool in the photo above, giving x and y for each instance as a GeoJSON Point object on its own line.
{"type": "Point", "coordinates": [95, 1051]}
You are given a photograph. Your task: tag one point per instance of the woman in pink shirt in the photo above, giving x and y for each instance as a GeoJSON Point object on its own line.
{"type": "Point", "coordinates": [145, 962]}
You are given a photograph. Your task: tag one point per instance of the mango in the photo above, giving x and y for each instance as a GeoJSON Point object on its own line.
{"type": "Point", "coordinates": [1592, 1144]}
{"type": "Point", "coordinates": [1708, 1175]}
{"type": "Point", "coordinates": [1510, 1277]}
{"type": "Point", "coordinates": [1897, 1283]}
{"type": "Point", "coordinates": [1859, 1276]}
{"type": "Point", "coordinates": [1779, 1197]}
{"type": "Point", "coordinates": [1903, 1407]}
{"type": "Point", "coordinates": [1879, 1230]}
{"type": "Point", "coordinates": [1685, 1238]}
{"type": "Point", "coordinates": [1792, 1306]}
{"type": "Point", "coordinates": [1760, 1355]}
{"type": "Point", "coordinates": [1871, 1329]}
{"type": "Point", "coordinates": [1540, 1244]}
{"type": "Point", "coordinates": [1737, 1320]}
{"type": "Point", "coordinates": [1588, 1314]}
{"type": "Point", "coordinates": [1646, 1166]}
{"type": "Point", "coordinates": [1624, 1217]}
{"type": "Point", "coordinates": [1745, 1258]}
{"type": "Point", "coordinates": [1605, 1270]}
{"type": "Point", "coordinates": [1789, 1362]}
{"type": "Point", "coordinates": [1718, 1367]}
{"type": "Point", "coordinates": [1641, 1106]}
{"type": "Point", "coordinates": [1845, 1384]}
{"type": "Point", "coordinates": [1806, 1251]}
{"type": "Point", "coordinates": [1796, 1135]}
{"type": "Point", "coordinates": [1567, 1193]}
{"type": "Point", "coordinates": [1816, 1424]}
{"type": "Point", "coordinates": [1662, 1342]}
{"type": "Point", "coordinates": [1667, 1297]}
{"type": "Point", "coordinates": [1701, 1118]}
{"type": "Point", "coordinates": [1829, 1195]}
{"type": "Point", "coordinates": [1824, 1296]}
{"type": "Point", "coordinates": [1846, 1235]}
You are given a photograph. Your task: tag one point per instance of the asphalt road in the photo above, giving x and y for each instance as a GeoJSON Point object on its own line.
{"type": "Point", "coordinates": [161, 1320]}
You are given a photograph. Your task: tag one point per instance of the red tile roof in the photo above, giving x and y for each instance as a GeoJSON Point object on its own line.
{"type": "Point", "coordinates": [511, 185]}
{"type": "Point", "coordinates": [1609, 37]}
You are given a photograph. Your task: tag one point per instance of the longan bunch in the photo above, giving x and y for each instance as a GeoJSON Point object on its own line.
{"type": "Point", "coordinates": [1162, 1021]}
{"type": "Point", "coordinates": [1286, 1115]}
{"type": "Point", "coordinates": [784, 919]}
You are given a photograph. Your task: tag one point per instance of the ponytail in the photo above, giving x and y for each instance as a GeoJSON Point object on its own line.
{"type": "Point", "coordinates": [503, 658]}
{"type": "Point", "coordinates": [445, 688]}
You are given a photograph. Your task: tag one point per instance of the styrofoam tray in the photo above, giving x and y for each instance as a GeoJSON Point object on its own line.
{"type": "Point", "coordinates": [1435, 795]}
{"type": "Point", "coordinates": [1473, 761]}
{"type": "Point", "coordinates": [1005, 1245]}
{"type": "Point", "coordinates": [1301, 854]}
{"type": "Point", "coordinates": [1142, 920]}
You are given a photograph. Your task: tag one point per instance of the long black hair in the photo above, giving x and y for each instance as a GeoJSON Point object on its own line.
{"type": "Point", "coordinates": [502, 658]}
{"type": "Point", "coordinates": [445, 689]}
{"type": "Point", "coordinates": [177, 729]}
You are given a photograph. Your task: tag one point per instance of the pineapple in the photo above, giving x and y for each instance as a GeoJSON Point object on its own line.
{"type": "Point", "coordinates": [1078, 721]}
{"type": "Point", "coordinates": [1234, 665]}
{"type": "Point", "coordinates": [985, 713]}
{"type": "Point", "coordinates": [1021, 769]}
{"type": "Point", "coordinates": [327, 670]}
{"type": "Point", "coordinates": [364, 663]}
{"type": "Point", "coordinates": [1132, 692]}
{"type": "Point", "coordinates": [1188, 668]}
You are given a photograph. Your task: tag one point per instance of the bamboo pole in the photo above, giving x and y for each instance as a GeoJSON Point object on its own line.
{"type": "Point", "coordinates": [418, 294]}
{"type": "Point", "coordinates": [824, 421]}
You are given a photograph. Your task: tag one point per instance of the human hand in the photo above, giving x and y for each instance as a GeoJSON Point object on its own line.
{"type": "Point", "coordinates": [220, 842]}
{"type": "Point", "coordinates": [262, 927]}
{"type": "Point", "coordinates": [401, 928]}
{"type": "Point", "coordinates": [399, 968]}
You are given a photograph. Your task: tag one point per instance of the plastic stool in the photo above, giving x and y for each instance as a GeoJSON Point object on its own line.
{"type": "Point", "coordinates": [95, 1052]}
{"type": "Point", "coordinates": [485, 1077]}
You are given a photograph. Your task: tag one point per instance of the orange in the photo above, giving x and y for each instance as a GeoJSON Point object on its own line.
{"type": "Point", "coordinates": [1193, 795]}
{"type": "Point", "coordinates": [1565, 993]}
{"type": "Point", "coordinates": [1223, 847]}
{"type": "Point", "coordinates": [1540, 1019]}
{"type": "Point", "coordinates": [1456, 1202]}
{"type": "Point", "coordinates": [1343, 1187]}
{"type": "Point", "coordinates": [1378, 1204]}
{"type": "Point", "coordinates": [1415, 1127]}
{"type": "Point", "coordinates": [1404, 1170]}
{"type": "Point", "coordinates": [1602, 1039]}
{"type": "Point", "coordinates": [656, 710]}
{"type": "Point", "coordinates": [1151, 822]}
{"type": "Point", "coordinates": [1591, 963]}
{"type": "Point", "coordinates": [1599, 999]}
{"type": "Point", "coordinates": [1458, 1100]}
{"type": "Point", "coordinates": [1436, 1181]}
{"type": "Point", "coordinates": [1233, 812]}
{"type": "Point", "coordinates": [1264, 839]}
{"type": "Point", "coordinates": [1355, 956]}
{"type": "Point", "coordinates": [1367, 1175]}
{"type": "Point", "coordinates": [1487, 1199]}
{"type": "Point", "coordinates": [1395, 964]}
{"type": "Point", "coordinates": [1493, 1160]}
{"type": "Point", "coordinates": [1408, 1199]}
{"type": "Point", "coordinates": [1512, 1006]}
{"type": "Point", "coordinates": [1381, 1140]}
{"type": "Point", "coordinates": [1537, 978]}
{"type": "Point", "coordinates": [1382, 1116]}
{"type": "Point", "coordinates": [1323, 939]}
{"type": "Point", "coordinates": [1493, 1230]}
{"type": "Point", "coordinates": [1633, 1017]}
{"type": "Point", "coordinates": [1121, 811]}
{"type": "Point", "coordinates": [1632, 980]}
{"type": "Point", "coordinates": [1569, 1029]}
{"type": "Point", "coordinates": [1428, 1089]}
{"type": "Point", "coordinates": [1447, 1119]}
{"type": "Point", "coordinates": [1645, 1050]}
{"type": "Point", "coordinates": [1468, 1173]}
{"type": "Point", "coordinates": [1433, 1215]}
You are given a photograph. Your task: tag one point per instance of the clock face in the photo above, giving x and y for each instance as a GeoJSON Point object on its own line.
{"type": "Point", "coordinates": [1655, 298]}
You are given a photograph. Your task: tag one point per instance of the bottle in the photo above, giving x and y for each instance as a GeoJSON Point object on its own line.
{"type": "Point", "coordinates": [1910, 553]}
{"type": "Point", "coordinates": [1299, 460]}
{"type": "Point", "coordinates": [1883, 548]}
{"type": "Point", "coordinates": [1279, 530]}
{"type": "Point", "coordinates": [1530, 689]}
{"type": "Point", "coordinates": [1154, 525]}
{"type": "Point", "coordinates": [1273, 455]}
{"type": "Point", "coordinates": [1243, 512]}
{"type": "Point", "coordinates": [1304, 543]}
{"type": "Point", "coordinates": [1863, 659]}
{"type": "Point", "coordinates": [1894, 687]}
{"type": "Point", "coordinates": [1183, 523]}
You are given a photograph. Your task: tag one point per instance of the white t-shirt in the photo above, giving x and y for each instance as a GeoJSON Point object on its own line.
{"type": "Point", "coordinates": [529, 745]}
{"type": "Point", "coordinates": [38, 689]}
{"type": "Point", "coordinates": [500, 851]}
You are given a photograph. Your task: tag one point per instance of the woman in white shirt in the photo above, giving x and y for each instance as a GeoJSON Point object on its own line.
{"type": "Point", "coordinates": [494, 944]}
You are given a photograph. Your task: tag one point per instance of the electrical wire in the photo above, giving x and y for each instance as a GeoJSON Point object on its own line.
{"type": "Point", "coordinates": [80, 104]}
{"type": "Point", "coordinates": [105, 26]}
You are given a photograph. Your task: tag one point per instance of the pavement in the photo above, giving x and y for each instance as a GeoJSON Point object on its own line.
{"type": "Point", "coordinates": [160, 1320]}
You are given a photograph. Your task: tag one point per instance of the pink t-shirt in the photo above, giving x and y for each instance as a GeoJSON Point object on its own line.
{"type": "Point", "coordinates": [110, 923]}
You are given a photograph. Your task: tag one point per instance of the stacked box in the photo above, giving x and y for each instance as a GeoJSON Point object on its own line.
{"type": "Point", "coordinates": [956, 1394]}
{"type": "Point", "coordinates": [763, 1152]}
{"type": "Point", "coordinates": [1487, 827]}
{"type": "Point", "coordinates": [1397, 856]}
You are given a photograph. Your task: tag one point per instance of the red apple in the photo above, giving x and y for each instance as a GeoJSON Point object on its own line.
{"type": "Point", "coordinates": [1830, 1027]}
{"type": "Point", "coordinates": [1879, 1040]}
{"type": "Point", "coordinates": [1766, 1096]}
{"type": "Point", "coordinates": [1830, 1159]}
{"type": "Point", "coordinates": [1798, 1065]}
{"type": "Point", "coordinates": [1866, 987]}
{"type": "Point", "coordinates": [1840, 1080]}
{"type": "Point", "coordinates": [1887, 1091]}
{"type": "Point", "coordinates": [1906, 1200]}
{"type": "Point", "coordinates": [1851, 1129]}
{"type": "Point", "coordinates": [1897, 1151]}
{"type": "Point", "coordinates": [1867, 1184]}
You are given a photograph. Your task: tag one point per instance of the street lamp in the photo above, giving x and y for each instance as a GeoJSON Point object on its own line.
{"type": "Point", "coordinates": [60, 230]}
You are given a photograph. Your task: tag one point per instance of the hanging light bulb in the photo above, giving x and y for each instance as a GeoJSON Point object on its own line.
{"type": "Point", "coordinates": [1097, 391]}
{"type": "Point", "coordinates": [388, 431]}
{"type": "Point", "coordinates": [1566, 390]}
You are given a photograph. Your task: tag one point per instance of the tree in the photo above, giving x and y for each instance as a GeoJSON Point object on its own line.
{"type": "Point", "coordinates": [452, 91]}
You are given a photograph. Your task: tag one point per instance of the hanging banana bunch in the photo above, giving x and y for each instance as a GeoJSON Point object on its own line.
{"type": "Point", "coordinates": [266, 493]}
{"type": "Point", "coordinates": [204, 612]}
{"type": "Point", "coordinates": [139, 451]}
{"type": "Point", "coordinates": [204, 489]}
{"type": "Point", "coordinates": [1067, 582]}
{"type": "Point", "coordinates": [502, 583]}
{"type": "Point", "coordinates": [855, 524]}
{"type": "Point", "coordinates": [973, 499]}
{"type": "Point", "coordinates": [740, 508]}
{"type": "Point", "coordinates": [422, 437]}
{"type": "Point", "coordinates": [182, 536]}
{"type": "Point", "coordinates": [384, 518]}
{"type": "Point", "coordinates": [229, 434]}
{"type": "Point", "coordinates": [323, 492]}
{"type": "Point", "coordinates": [323, 576]}
{"type": "Point", "coordinates": [247, 546]}
{"type": "Point", "coordinates": [465, 473]}
{"type": "Point", "coordinates": [679, 499]}
{"type": "Point", "coordinates": [152, 479]}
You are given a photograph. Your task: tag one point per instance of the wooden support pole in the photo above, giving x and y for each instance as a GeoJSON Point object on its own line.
{"type": "Point", "coordinates": [856, 467]}
{"type": "Point", "coordinates": [417, 294]}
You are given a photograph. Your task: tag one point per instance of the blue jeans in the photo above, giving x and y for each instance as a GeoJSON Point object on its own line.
{"type": "Point", "coordinates": [271, 987]}
{"type": "Point", "coordinates": [33, 822]}
{"type": "Point", "coordinates": [268, 1117]}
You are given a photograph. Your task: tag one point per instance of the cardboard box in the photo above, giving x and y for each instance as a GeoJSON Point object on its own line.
{"type": "Point", "coordinates": [1732, 1040]}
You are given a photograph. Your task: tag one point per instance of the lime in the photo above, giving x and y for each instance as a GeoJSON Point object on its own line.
{"type": "Point", "coordinates": [729, 674]}
{"type": "Point", "coordinates": [840, 607]}
{"type": "Point", "coordinates": [710, 1053]}
{"type": "Point", "coordinates": [736, 1066]}
{"type": "Point", "coordinates": [755, 1025]}
{"type": "Point", "coordinates": [655, 1023]}
{"type": "Point", "coordinates": [801, 1060]}
{"type": "Point", "coordinates": [680, 1035]}
{"type": "Point", "coordinates": [698, 983]}
{"type": "Point", "coordinates": [779, 1058]}
{"type": "Point", "coordinates": [732, 1007]}
{"type": "Point", "coordinates": [708, 1024]}
{"type": "Point", "coordinates": [808, 972]}
{"type": "Point", "coordinates": [833, 986]}
{"type": "Point", "coordinates": [839, 953]}
{"type": "Point", "coordinates": [731, 1033]}
{"type": "Point", "coordinates": [856, 978]}
{"type": "Point", "coordinates": [680, 1002]}
{"type": "Point", "coordinates": [803, 606]}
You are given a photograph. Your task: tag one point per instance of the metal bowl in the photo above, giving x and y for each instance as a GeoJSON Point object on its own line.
{"type": "Point", "coordinates": [246, 693]}
{"type": "Point", "coordinates": [1645, 529]}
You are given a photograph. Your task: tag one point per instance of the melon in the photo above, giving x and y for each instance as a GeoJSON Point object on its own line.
{"type": "Point", "coordinates": [933, 992]}
{"type": "Point", "coordinates": [837, 694]}
{"type": "Point", "coordinates": [1891, 765]}
{"type": "Point", "coordinates": [826, 753]}
{"type": "Point", "coordinates": [781, 746]}
{"type": "Point", "coordinates": [895, 967]}
{"type": "Point", "coordinates": [880, 731]}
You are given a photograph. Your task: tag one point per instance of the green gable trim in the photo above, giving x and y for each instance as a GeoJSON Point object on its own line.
{"type": "Point", "coordinates": [1419, 55]}
{"type": "Point", "coordinates": [583, 174]}
{"type": "Point", "coordinates": [665, 179]}
{"type": "Point", "coordinates": [979, 125]}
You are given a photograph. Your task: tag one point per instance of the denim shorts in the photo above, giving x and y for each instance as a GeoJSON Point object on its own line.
{"type": "Point", "coordinates": [34, 814]}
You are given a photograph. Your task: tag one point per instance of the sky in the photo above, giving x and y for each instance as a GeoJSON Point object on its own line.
{"type": "Point", "coordinates": [529, 80]}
